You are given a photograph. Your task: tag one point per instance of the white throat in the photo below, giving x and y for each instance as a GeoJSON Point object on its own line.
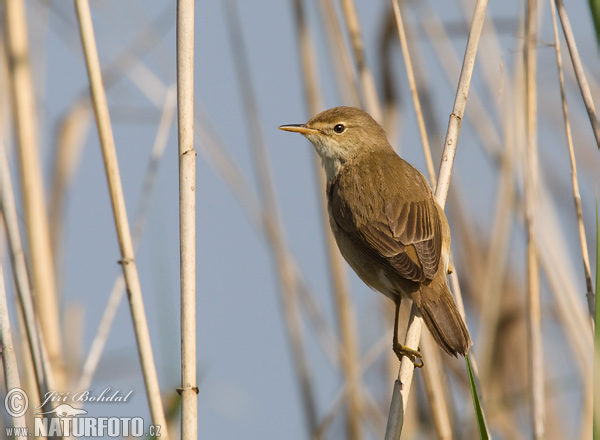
{"type": "Point", "coordinates": [330, 157]}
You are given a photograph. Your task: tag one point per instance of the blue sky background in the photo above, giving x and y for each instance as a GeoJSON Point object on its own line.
{"type": "Point", "coordinates": [245, 376]}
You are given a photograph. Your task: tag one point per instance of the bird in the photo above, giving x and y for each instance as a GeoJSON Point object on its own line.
{"type": "Point", "coordinates": [387, 222]}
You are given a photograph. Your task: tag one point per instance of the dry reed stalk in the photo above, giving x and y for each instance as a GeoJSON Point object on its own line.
{"type": "Point", "coordinates": [579, 71]}
{"type": "Point", "coordinates": [5, 125]}
{"type": "Point", "coordinates": [120, 215]}
{"type": "Point", "coordinates": [35, 343]}
{"type": "Point", "coordinates": [562, 283]}
{"type": "Point", "coordinates": [413, 333]}
{"type": "Point", "coordinates": [450, 143]}
{"type": "Point", "coordinates": [342, 63]}
{"type": "Point", "coordinates": [216, 156]}
{"type": "Point", "coordinates": [26, 368]}
{"type": "Point", "coordinates": [413, 90]}
{"type": "Point", "coordinates": [369, 91]}
{"type": "Point", "coordinates": [32, 186]}
{"type": "Point", "coordinates": [288, 282]}
{"type": "Point", "coordinates": [576, 196]}
{"type": "Point", "coordinates": [116, 294]}
{"type": "Point", "coordinates": [349, 350]}
{"type": "Point", "coordinates": [534, 331]}
{"type": "Point", "coordinates": [9, 360]}
{"type": "Point", "coordinates": [553, 248]}
{"type": "Point", "coordinates": [187, 216]}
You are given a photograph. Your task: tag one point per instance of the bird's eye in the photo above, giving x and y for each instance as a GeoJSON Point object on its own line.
{"type": "Point", "coordinates": [339, 128]}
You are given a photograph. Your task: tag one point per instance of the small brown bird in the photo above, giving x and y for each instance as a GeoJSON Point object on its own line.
{"type": "Point", "coordinates": [387, 222]}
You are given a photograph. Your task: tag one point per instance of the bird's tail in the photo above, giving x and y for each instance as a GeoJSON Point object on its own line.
{"type": "Point", "coordinates": [442, 318]}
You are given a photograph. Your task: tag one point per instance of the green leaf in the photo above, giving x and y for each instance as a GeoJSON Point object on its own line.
{"type": "Point", "coordinates": [483, 431]}
{"type": "Point", "coordinates": [595, 10]}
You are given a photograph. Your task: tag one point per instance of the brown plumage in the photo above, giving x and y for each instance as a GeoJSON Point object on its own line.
{"type": "Point", "coordinates": [386, 221]}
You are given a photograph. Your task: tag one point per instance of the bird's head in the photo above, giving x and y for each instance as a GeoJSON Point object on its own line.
{"type": "Point", "coordinates": [341, 134]}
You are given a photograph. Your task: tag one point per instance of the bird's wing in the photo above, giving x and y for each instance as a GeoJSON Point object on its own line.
{"type": "Point", "coordinates": [406, 235]}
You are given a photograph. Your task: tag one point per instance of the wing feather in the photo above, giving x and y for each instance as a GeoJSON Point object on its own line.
{"type": "Point", "coordinates": [406, 236]}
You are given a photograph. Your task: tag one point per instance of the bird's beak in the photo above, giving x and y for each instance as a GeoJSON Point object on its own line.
{"type": "Point", "coordinates": [298, 128]}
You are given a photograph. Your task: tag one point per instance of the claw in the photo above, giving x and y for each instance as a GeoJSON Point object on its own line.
{"type": "Point", "coordinates": [415, 356]}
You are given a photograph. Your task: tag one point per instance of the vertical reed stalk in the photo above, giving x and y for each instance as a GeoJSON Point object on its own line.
{"type": "Point", "coordinates": [460, 102]}
{"type": "Point", "coordinates": [574, 182]}
{"type": "Point", "coordinates": [187, 216]}
{"type": "Point", "coordinates": [115, 187]}
{"type": "Point", "coordinates": [579, 72]}
{"type": "Point", "coordinates": [413, 90]}
{"type": "Point", "coordinates": [32, 185]}
{"type": "Point", "coordinates": [42, 370]}
{"type": "Point", "coordinates": [9, 360]}
{"type": "Point", "coordinates": [536, 371]}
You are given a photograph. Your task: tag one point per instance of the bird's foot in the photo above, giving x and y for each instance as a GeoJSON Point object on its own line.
{"type": "Point", "coordinates": [415, 356]}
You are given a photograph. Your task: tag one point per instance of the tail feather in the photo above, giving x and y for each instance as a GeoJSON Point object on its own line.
{"type": "Point", "coordinates": [442, 318]}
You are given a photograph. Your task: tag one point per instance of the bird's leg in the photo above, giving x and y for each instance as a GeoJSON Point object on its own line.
{"type": "Point", "coordinates": [401, 350]}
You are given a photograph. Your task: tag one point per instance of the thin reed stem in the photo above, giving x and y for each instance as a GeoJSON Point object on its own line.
{"type": "Point", "coordinates": [584, 88]}
{"type": "Point", "coordinates": [32, 186]}
{"type": "Point", "coordinates": [113, 178]}
{"type": "Point", "coordinates": [535, 361]}
{"type": "Point", "coordinates": [591, 300]}
{"type": "Point", "coordinates": [35, 343]}
{"type": "Point", "coordinates": [187, 217]}
{"type": "Point", "coordinates": [9, 360]}
{"type": "Point", "coordinates": [413, 90]}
